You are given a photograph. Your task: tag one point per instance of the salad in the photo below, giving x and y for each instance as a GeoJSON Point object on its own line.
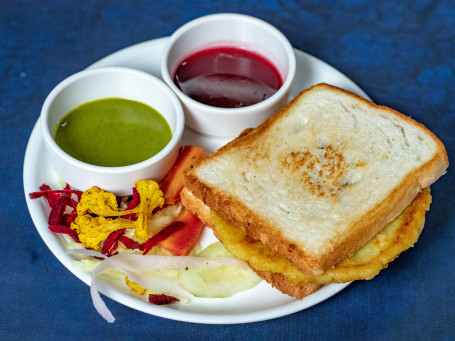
{"type": "Point", "coordinates": [148, 239]}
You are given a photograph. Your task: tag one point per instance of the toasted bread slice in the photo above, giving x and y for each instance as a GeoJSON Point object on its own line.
{"type": "Point", "coordinates": [321, 177]}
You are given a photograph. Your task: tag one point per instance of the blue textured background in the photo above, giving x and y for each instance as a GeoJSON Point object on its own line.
{"type": "Point", "coordinates": [401, 53]}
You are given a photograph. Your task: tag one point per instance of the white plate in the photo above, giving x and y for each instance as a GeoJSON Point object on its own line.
{"type": "Point", "coordinates": [260, 303]}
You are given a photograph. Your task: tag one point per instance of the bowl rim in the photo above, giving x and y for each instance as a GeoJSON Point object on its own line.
{"type": "Point", "coordinates": [50, 142]}
{"type": "Point", "coordinates": [218, 111]}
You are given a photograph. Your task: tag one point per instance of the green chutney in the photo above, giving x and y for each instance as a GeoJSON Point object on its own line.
{"type": "Point", "coordinates": [113, 132]}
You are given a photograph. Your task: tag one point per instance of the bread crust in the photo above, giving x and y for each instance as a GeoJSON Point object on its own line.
{"type": "Point", "coordinates": [363, 229]}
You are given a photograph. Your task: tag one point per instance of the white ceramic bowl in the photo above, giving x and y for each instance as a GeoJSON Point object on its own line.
{"type": "Point", "coordinates": [229, 30]}
{"type": "Point", "coordinates": [93, 84]}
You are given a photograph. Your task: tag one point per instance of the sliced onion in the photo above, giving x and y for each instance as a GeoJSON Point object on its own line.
{"type": "Point", "coordinates": [144, 263]}
{"type": "Point", "coordinates": [135, 266]}
{"type": "Point", "coordinates": [98, 302]}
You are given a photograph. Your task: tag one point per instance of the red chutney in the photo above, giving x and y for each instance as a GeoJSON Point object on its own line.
{"type": "Point", "coordinates": [227, 77]}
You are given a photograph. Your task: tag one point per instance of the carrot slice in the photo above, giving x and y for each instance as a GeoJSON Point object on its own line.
{"type": "Point", "coordinates": [172, 185]}
{"type": "Point", "coordinates": [183, 240]}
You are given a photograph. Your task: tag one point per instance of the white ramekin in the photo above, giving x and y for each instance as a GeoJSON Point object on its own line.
{"type": "Point", "coordinates": [229, 30]}
{"type": "Point", "coordinates": [110, 82]}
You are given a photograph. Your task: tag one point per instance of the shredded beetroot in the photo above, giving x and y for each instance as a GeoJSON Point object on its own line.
{"type": "Point", "coordinates": [110, 245]}
{"type": "Point", "coordinates": [72, 203]}
{"type": "Point", "coordinates": [50, 195]}
{"type": "Point", "coordinates": [65, 230]}
{"type": "Point", "coordinates": [160, 299]}
{"type": "Point", "coordinates": [53, 195]}
{"type": "Point", "coordinates": [136, 200]}
{"type": "Point", "coordinates": [129, 243]}
{"type": "Point", "coordinates": [70, 217]}
{"type": "Point", "coordinates": [57, 211]}
{"type": "Point", "coordinates": [160, 236]}
{"type": "Point", "coordinates": [59, 201]}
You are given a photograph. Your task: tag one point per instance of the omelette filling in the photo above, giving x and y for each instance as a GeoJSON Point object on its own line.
{"type": "Point", "coordinates": [396, 237]}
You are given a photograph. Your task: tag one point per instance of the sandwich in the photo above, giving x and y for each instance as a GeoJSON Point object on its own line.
{"type": "Point", "coordinates": [329, 189]}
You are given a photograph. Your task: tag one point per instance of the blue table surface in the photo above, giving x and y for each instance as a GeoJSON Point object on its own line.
{"type": "Point", "coordinates": [401, 53]}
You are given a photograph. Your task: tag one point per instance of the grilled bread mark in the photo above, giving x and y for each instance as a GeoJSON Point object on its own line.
{"type": "Point", "coordinates": [322, 172]}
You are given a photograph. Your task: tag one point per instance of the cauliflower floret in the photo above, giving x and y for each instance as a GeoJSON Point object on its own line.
{"type": "Point", "coordinates": [92, 230]}
{"type": "Point", "coordinates": [99, 202]}
{"type": "Point", "coordinates": [151, 198]}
